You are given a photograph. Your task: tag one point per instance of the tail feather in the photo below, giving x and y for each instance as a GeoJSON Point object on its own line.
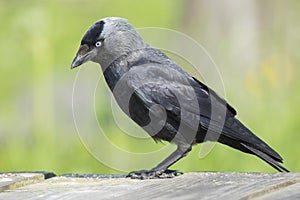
{"type": "Point", "coordinates": [235, 130]}
{"type": "Point", "coordinates": [266, 158]}
{"type": "Point", "coordinates": [238, 136]}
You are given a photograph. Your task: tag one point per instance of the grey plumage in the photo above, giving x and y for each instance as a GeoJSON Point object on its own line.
{"type": "Point", "coordinates": [162, 98]}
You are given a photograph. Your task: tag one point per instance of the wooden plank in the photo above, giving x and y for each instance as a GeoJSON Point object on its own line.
{"type": "Point", "coordinates": [291, 192]}
{"type": "Point", "coordinates": [196, 185]}
{"type": "Point", "coordinates": [9, 181]}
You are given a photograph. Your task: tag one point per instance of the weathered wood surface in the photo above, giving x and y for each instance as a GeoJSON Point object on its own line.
{"type": "Point", "coordinates": [196, 185]}
{"type": "Point", "coordinates": [9, 181]}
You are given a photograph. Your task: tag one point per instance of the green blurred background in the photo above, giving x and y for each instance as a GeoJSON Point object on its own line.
{"type": "Point", "coordinates": [254, 43]}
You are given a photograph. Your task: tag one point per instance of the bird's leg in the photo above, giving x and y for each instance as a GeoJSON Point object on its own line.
{"type": "Point", "coordinates": [161, 170]}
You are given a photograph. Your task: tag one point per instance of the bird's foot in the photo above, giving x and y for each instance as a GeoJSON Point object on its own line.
{"type": "Point", "coordinates": [153, 174]}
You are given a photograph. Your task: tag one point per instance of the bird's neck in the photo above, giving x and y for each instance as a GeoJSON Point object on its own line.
{"type": "Point", "coordinates": [120, 66]}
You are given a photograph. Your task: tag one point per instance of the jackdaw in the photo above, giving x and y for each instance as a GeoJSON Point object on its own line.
{"type": "Point", "coordinates": [167, 102]}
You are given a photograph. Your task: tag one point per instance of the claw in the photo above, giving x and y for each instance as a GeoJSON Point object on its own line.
{"type": "Point", "coordinates": [171, 173]}
{"type": "Point", "coordinates": [152, 174]}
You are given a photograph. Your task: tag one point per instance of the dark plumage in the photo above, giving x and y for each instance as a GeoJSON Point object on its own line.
{"type": "Point", "coordinates": [93, 33]}
{"type": "Point", "coordinates": [166, 101]}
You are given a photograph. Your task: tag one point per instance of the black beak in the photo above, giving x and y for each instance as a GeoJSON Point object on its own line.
{"type": "Point", "coordinates": [83, 55]}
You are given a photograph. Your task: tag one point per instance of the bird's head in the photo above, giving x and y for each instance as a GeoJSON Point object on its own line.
{"type": "Point", "coordinates": [106, 40]}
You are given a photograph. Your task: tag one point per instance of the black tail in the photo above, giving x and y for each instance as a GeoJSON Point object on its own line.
{"type": "Point", "coordinates": [267, 158]}
{"type": "Point", "coordinates": [236, 135]}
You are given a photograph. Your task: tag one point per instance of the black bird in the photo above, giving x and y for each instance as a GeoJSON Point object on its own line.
{"type": "Point", "coordinates": [162, 98]}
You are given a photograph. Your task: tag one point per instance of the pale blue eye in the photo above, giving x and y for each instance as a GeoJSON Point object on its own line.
{"type": "Point", "coordinates": [98, 44]}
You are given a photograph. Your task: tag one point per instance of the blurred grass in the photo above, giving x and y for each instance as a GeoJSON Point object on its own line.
{"type": "Point", "coordinates": [39, 39]}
